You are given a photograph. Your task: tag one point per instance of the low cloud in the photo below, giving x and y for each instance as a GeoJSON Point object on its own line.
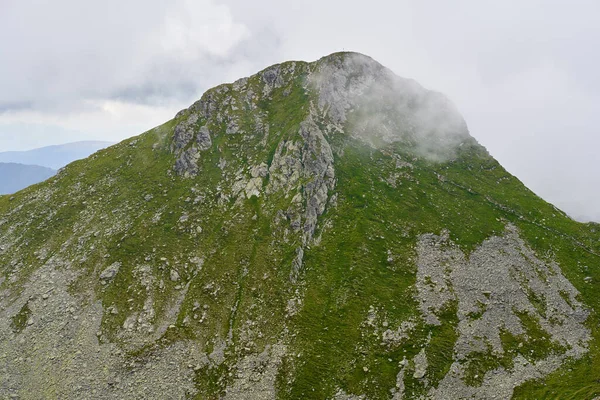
{"type": "Point", "coordinates": [379, 107]}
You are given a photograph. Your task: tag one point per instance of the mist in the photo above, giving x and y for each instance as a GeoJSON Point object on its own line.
{"type": "Point", "coordinates": [379, 108]}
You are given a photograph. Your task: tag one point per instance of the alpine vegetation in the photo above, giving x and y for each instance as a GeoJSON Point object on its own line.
{"type": "Point", "coordinates": [321, 230]}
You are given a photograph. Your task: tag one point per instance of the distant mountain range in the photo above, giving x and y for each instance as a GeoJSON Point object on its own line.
{"type": "Point", "coordinates": [19, 169]}
{"type": "Point", "coordinates": [14, 177]}
{"type": "Point", "coordinates": [54, 157]}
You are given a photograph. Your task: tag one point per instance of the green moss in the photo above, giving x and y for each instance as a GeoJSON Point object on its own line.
{"type": "Point", "coordinates": [480, 363]}
{"type": "Point", "coordinates": [211, 382]}
{"type": "Point", "coordinates": [19, 321]}
{"type": "Point", "coordinates": [575, 380]}
{"type": "Point", "coordinates": [474, 315]}
{"type": "Point", "coordinates": [534, 345]}
{"type": "Point", "coordinates": [440, 350]}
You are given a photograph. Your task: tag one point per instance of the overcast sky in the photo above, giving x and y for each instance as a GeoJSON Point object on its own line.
{"type": "Point", "coordinates": [525, 74]}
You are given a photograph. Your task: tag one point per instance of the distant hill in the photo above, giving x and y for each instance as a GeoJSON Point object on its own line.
{"type": "Point", "coordinates": [54, 157]}
{"type": "Point", "coordinates": [14, 177]}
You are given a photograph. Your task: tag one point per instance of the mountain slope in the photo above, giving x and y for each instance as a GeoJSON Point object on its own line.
{"type": "Point", "coordinates": [14, 177]}
{"type": "Point", "coordinates": [54, 157]}
{"type": "Point", "coordinates": [318, 230]}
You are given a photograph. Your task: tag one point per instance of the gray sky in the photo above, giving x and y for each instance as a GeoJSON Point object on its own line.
{"type": "Point", "coordinates": [523, 73]}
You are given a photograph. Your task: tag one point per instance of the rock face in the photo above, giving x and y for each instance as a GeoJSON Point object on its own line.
{"type": "Point", "coordinates": [62, 354]}
{"type": "Point", "coordinates": [320, 230]}
{"type": "Point", "coordinates": [502, 291]}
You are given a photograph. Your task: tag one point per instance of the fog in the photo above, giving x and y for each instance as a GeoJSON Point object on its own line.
{"type": "Point", "coordinates": [378, 107]}
{"type": "Point", "coordinates": [522, 73]}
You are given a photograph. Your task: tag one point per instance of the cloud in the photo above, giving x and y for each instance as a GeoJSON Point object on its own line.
{"type": "Point", "coordinates": [65, 51]}
{"type": "Point", "coordinates": [379, 108]}
{"type": "Point", "coordinates": [109, 70]}
{"type": "Point", "coordinates": [192, 28]}
{"type": "Point", "coordinates": [109, 120]}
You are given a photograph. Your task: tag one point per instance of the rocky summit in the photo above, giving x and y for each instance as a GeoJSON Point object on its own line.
{"type": "Point", "coordinates": [321, 230]}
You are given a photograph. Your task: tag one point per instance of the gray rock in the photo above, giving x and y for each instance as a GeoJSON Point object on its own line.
{"type": "Point", "coordinates": [187, 163]}
{"type": "Point", "coordinates": [490, 287]}
{"type": "Point", "coordinates": [421, 365]}
{"type": "Point", "coordinates": [203, 138]}
{"type": "Point", "coordinates": [184, 132]}
{"type": "Point", "coordinates": [189, 140]}
{"type": "Point", "coordinates": [259, 171]}
{"type": "Point", "coordinates": [255, 375]}
{"type": "Point", "coordinates": [110, 272]}
{"type": "Point", "coordinates": [64, 352]}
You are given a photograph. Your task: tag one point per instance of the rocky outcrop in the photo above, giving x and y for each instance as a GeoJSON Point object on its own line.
{"type": "Point", "coordinates": [341, 82]}
{"type": "Point", "coordinates": [354, 93]}
{"type": "Point", "coordinates": [110, 272]}
{"type": "Point", "coordinates": [61, 353]}
{"type": "Point", "coordinates": [256, 375]}
{"type": "Point", "coordinates": [317, 162]}
{"type": "Point", "coordinates": [189, 140]}
{"type": "Point", "coordinates": [499, 289]}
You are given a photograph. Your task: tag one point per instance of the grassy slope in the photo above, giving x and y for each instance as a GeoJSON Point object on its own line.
{"type": "Point", "coordinates": [349, 272]}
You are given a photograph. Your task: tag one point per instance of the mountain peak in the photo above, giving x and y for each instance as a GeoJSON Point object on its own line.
{"type": "Point", "coordinates": [350, 58]}
{"type": "Point", "coordinates": [347, 92]}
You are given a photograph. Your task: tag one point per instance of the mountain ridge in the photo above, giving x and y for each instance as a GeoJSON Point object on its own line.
{"type": "Point", "coordinates": [54, 156]}
{"type": "Point", "coordinates": [318, 230]}
{"type": "Point", "coordinates": [14, 176]}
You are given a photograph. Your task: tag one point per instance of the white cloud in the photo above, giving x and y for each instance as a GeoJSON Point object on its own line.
{"type": "Point", "coordinates": [194, 27]}
{"type": "Point", "coordinates": [64, 52]}
{"type": "Point", "coordinates": [108, 70]}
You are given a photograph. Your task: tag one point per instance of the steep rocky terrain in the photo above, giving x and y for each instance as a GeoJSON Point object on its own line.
{"type": "Point", "coordinates": [321, 230]}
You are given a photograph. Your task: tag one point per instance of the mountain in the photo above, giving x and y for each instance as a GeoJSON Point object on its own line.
{"type": "Point", "coordinates": [19, 169]}
{"type": "Point", "coordinates": [321, 230]}
{"type": "Point", "coordinates": [54, 157]}
{"type": "Point", "coordinates": [14, 177]}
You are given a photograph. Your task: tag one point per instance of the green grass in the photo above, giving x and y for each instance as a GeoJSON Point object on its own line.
{"type": "Point", "coordinates": [19, 321]}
